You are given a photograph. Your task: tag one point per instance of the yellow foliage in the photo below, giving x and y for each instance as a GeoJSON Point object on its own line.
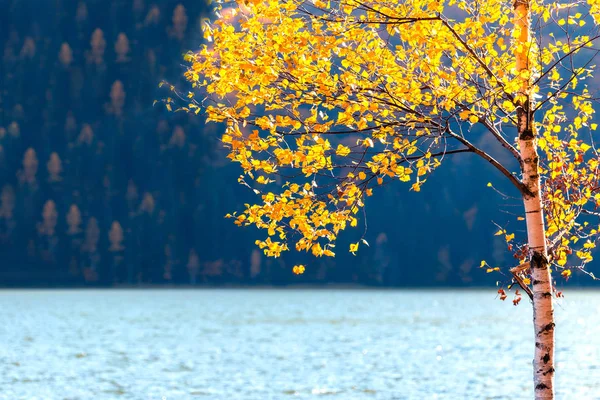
{"type": "Point", "coordinates": [298, 269]}
{"type": "Point", "coordinates": [323, 108]}
{"type": "Point", "coordinates": [342, 150]}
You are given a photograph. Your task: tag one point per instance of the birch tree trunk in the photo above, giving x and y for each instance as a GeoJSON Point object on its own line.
{"type": "Point", "coordinates": [543, 309]}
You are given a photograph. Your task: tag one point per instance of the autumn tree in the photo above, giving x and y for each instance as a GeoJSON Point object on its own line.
{"type": "Point", "coordinates": [66, 55]}
{"type": "Point", "coordinates": [324, 101]}
{"type": "Point", "coordinates": [97, 47]}
{"type": "Point", "coordinates": [54, 167]}
{"type": "Point", "coordinates": [122, 48]}
{"type": "Point", "coordinates": [30, 166]}
{"type": "Point", "coordinates": [116, 238]}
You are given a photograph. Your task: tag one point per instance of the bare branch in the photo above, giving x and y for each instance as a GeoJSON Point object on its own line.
{"type": "Point", "coordinates": [501, 139]}
{"type": "Point", "coordinates": [515, 181]}
{"type": "Point", "coordinates": [516, 273]}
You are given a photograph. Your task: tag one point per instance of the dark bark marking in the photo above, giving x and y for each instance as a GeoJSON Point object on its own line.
{"type": "Point", "coordinates": [550, 371]}
{"type": "Point", "coordinates": [538, 260]}
{"type": "Point", "coordinates": [535, 282]}
{"type": "Point", "coordinates": [527, 134]}
{"type": "Point", "coordinates": [546, 358]}
{"type": "Point", "coordinates": [547, 328]}
{"type": "Point", "coordinates": [541, 386]}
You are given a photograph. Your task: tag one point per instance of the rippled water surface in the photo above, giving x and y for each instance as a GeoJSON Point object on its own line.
{"type": "Point", "coordinates": [278, 344]}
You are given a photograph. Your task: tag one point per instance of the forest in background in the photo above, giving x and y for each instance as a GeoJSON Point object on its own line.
{"type": "Point", "coordinates": [100, 187]}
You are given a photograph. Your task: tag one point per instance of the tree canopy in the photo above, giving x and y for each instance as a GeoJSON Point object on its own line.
{"type": "Point", "coordinates": [324, 101]}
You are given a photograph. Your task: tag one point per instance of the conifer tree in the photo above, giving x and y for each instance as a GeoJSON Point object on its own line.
{"type": "Point", "coordinates": [193, 266]}
{"type": "Point", "coordinates": [122, 48]}
{"type": "Point", "coordinates": [54, 167]}
{"type": "Point", "coordinates": [30, 167]}
{"type": "Point", "coordinates": [74, 220]}
{"type": "Point", "coordinates": [50, 219]}
{"type": "Point", "coordinates": [117, 98]}
{"type": "Point", "coordinates": [180, 21]}
{"type": "Point", "coordinates": [97, 47]}
{"type": "Point", "coordinates": [65, 55]}
{"type": "Point", "coordinates": [7, 201]}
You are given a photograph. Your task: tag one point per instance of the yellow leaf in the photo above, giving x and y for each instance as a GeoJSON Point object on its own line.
{"type": "Point", "coordinates": [585, 147]}
{"type": "Point", "coordinates": [298, 269]}
{"type": "Point", "coordinates": [508, 105]}
{"type": "Point", "coordinates": [353, 248]}
{"type": "Point", "coordinates": [464, 114]}
{"type": "Point", "coordinates": [542, 143]}
{"type": "Point", "coordinates": [328, 253]}
{"type": "Point", "coordinates": [342, 150]}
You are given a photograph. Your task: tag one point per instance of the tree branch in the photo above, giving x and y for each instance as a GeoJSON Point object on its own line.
{"type": "Point", "coordinates": [574, 75]}
{"type": "Point", "coordinates": [568, 54]}
{"type": "Point", "coordinates": [516, 271]}
{"type": "Point", "coordinates": [501, 139]}
{"type": "Point", "coordinates": [516, 182]}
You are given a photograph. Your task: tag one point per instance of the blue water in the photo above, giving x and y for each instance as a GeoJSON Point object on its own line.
{"type": "Point", "coordinates": [286, 344]}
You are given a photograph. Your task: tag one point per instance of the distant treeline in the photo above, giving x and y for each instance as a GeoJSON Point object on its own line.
{"type": "Point", "coordinates": [98, 187]}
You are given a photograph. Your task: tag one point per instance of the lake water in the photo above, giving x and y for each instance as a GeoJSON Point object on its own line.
{"type": "Point", "coordinates": [286, 344]}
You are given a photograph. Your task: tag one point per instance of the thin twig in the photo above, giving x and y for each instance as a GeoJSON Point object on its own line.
{"type": "Point", "coordinates": [516, 273]}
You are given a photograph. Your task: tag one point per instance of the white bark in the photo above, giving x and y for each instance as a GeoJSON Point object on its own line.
{"type": "Point", "coordinates": [543, 309]}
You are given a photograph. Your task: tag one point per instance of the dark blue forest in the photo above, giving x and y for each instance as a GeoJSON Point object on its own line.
{"type": "Point", "coordinates": [98, 187]}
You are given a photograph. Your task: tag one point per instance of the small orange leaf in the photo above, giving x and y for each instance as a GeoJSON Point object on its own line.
{"type": "Point", "coordinates": [298, 269]}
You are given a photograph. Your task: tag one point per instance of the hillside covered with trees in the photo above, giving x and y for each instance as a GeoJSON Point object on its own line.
{"type": "Point", "coordinates": [100, 187]}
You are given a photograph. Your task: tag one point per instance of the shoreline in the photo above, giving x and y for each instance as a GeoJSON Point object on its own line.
{"type": "Point", "coordinates": [326, 287]}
